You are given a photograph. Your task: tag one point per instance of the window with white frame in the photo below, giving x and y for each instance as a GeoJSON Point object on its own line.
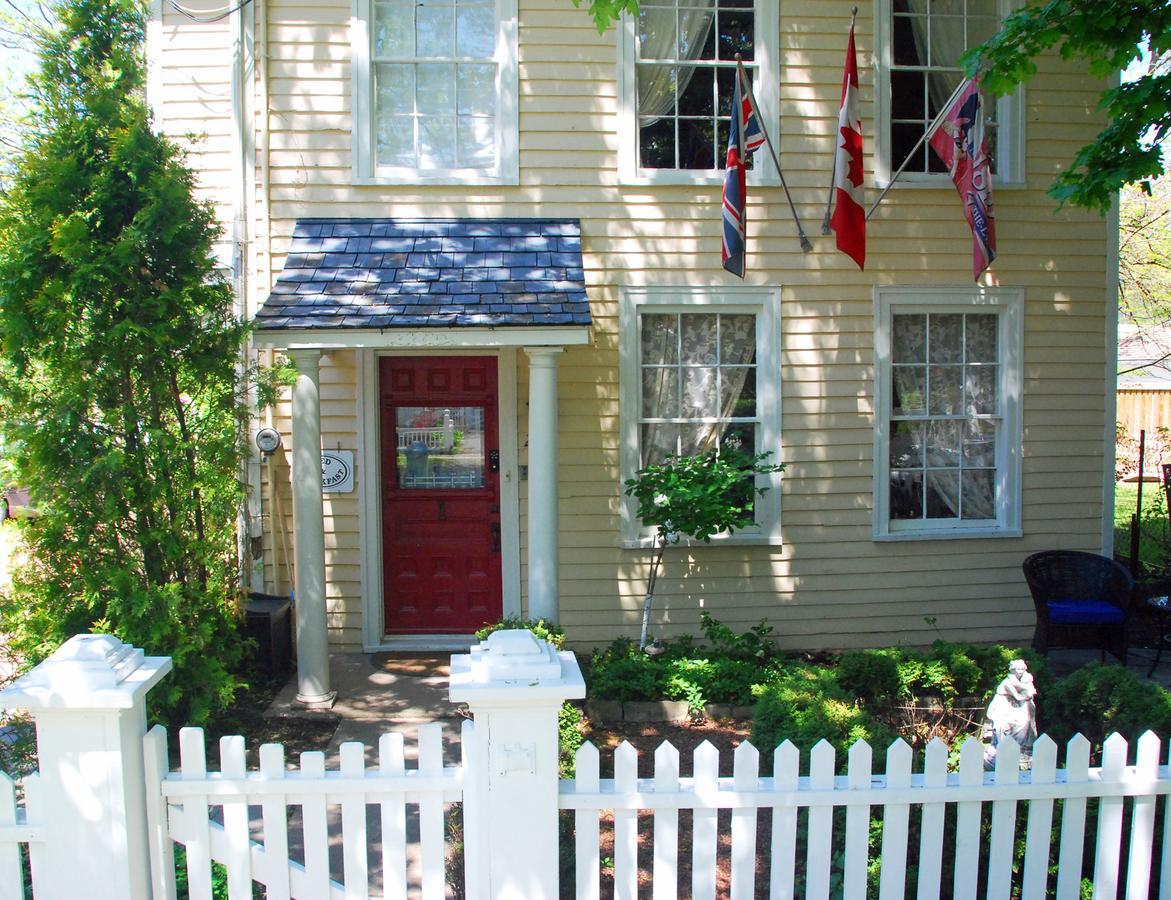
{"type": "Point", "coordinates": [699, 372]}
{"type": "Point", "coordinates": [920, 45]}
{"type": "Point", "coordinates": [435, 88]}
{"type": "Point", "coordinates": [947, 430]}
{"type": "Point", "coordinates": [677, 66]}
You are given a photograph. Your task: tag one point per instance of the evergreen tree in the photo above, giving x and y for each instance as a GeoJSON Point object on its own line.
{"type": "Point", "coordinates": [118, 355]}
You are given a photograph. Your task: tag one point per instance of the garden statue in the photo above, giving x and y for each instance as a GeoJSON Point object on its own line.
{"type": "Point", "coordinates": [1012, 712]}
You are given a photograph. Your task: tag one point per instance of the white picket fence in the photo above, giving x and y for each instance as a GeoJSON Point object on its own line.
{"type": "Point", "coordinates": [104, 816]}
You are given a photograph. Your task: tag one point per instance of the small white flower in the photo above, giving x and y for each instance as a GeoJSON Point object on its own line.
{"type": "Point", "coordinates": [661, 500]}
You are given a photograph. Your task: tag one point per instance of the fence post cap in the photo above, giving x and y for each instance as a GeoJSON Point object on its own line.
{"type": "Point", "coordinates": [512, 661]}
{"type": "Point", "coordinates": [88, 671]}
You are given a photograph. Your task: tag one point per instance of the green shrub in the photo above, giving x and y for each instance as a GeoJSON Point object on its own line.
{"type": "Point", "coordinates": [623, 672]}
{"type": "Point", "coordinates": [1097, 700]}
{"type": "Point", "coordinates": [752, 645]}
{"type": "Point", "coordinates": [543, 630]}
{"type": "Point", "coordinates": [570, 737]}
{"type": "Point", "coordinates": [871, 676]}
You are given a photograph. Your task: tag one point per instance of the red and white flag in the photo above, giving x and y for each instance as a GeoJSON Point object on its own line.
{"type": "Point", "coordinates": [959, 141]}
{"type": "Point", "coordinates": [849, 217]}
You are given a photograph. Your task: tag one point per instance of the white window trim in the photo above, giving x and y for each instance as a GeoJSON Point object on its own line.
{"type": "Point", "coordinates": [1010, 114]}
{"type": "Point", "coordinates": [765, 304]}
{"type": "Point", "coordinates": [766, 89]}
{"type": "Point", "coordinates": [507, 166]}
{"type": "Point", "coordinates": [1009, 305]}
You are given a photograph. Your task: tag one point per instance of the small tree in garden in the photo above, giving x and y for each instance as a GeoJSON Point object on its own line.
{"type": "Point", "coordinates": [118, 354]}
{"type": "Point", "coordinates": [696, 497]}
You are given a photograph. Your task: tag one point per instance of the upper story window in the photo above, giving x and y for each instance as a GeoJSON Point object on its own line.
{"type": "Point", "coordinates": [947, 434]}
{"type": "Point", "coordinates": [435, 87]}
{"type": "Point", "coordinates": [920, 45]}
{"type": "Point", "coordinates": [677, 66]}
{"type": "Point", "coordinates": [699, 372]}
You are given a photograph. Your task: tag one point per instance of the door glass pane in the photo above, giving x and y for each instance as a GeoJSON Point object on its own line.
{"type": "Point", "coordinates": [439, 447]}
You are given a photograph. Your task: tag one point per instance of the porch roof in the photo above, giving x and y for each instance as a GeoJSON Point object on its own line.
{"type": "Point", "coordinates": [400, 273]}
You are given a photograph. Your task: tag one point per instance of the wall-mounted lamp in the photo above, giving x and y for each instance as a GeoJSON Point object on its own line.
{"type": "Point", "coordinates": [267, 441]}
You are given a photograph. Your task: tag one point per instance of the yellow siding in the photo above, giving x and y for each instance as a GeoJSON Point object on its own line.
{"type": "Point", "coordinates": [830, 585]}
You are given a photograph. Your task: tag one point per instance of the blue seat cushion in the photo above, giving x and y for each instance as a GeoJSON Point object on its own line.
{"type": "Point", "coordinates": [1084, 612]}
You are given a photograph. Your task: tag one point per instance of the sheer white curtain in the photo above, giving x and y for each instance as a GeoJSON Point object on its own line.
{"type": "Point", "coordinates": [661, 36]}
{"type": "Point", "coordinates": [944, 35]}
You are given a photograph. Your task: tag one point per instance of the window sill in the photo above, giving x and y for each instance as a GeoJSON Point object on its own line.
{"type": "Point", "coordinates": [940, 181]}
{"type": "Point", "coordinates": [449, 177]}
{"type": "Point", "coordinates": [690, 178]}
{"type": "Point", "coordinates": [948, 534]}
{"type": "Point", "coordinates": [735, 540]}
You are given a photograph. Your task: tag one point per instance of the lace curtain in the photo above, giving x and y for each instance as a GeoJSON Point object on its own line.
{"type": "Point", "coordinates": [939, 42]}
{"type": "Point", "coordinates": [660, 38]}
{"type": "Point", "coordinates": [717, 353]}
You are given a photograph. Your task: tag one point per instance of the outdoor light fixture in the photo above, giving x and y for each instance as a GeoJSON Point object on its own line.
{"type": "Point", "coordinates": [267, 441]}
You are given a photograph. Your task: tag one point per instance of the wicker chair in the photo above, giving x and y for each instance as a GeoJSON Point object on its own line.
{"type": "Point", "coordinates": [1082, 600]}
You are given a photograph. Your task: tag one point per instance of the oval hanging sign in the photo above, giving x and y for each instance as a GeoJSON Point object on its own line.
{"type": "Point", "coordinates": [337, 471]}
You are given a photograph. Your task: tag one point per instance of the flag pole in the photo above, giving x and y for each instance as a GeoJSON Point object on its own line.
{"type": "Point", "coordinates": [805, 245]}
{"type": "Point", "coordinates": [919, 143]}
{"type": "Point", "coordinates": [833, 169]}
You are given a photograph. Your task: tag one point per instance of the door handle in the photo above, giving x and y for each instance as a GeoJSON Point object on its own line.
{"type": "Point", "coordinates": [494, 528]}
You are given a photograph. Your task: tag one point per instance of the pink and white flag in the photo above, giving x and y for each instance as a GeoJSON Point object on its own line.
{"type": "Point", "coordinates": [849, 217]}
{"type": "Point", "coordinates": [959, 141]}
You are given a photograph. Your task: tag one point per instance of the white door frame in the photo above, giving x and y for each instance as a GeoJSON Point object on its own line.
{"type": "Point", "coordinates": [374, 637]}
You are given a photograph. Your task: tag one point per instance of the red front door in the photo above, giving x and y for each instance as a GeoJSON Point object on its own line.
{"type": "Point", "coordinates": [440, 494]}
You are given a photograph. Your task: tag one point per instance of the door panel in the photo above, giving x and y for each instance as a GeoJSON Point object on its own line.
{"type": "Point", "coordinates": [440, 494]}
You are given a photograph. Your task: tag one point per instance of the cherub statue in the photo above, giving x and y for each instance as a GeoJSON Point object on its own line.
{"type": "Point", "coordinates": [1012, 712]}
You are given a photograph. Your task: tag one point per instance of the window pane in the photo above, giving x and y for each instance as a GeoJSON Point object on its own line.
{"type": "Point", "coordinates": [440, 448]}
{"type": "Point", "coordinates": [435, 31]}
{"type": "Point", "coordinates": [476, 31]}
{"type": "Point", "coordinates": [945, 390]}
{"type": "Point", "coordinates": [656, 144]}
{"type": "Point", "coordinates": [908, 98]}
{"type": "Point", "coordinates": [697, 144]}
{"type": "Point", "coordinates": [906, 445]}
{"type": "Point", "coordinates": [909, 339]}
{"type": "Point", "coordinates": [657, 442]}
{"type": "Point", "coordinates": [660, 392]}
{"type": "Point", "coordinates": [909, 391]}
{"type": "Point", "coordinates": [981, 389]}
{"type": "Point", "coordinates": [476, 90]}
{"type": "Point", "coordinates": [980, 442]}
{"type": "Point", "coordinates": [394, 89]}
{"type": "Point", "coordinates": [699, 393]}
{"type": "Point", "coordinates": [695, 439]}
{"type": "Point", "coordinates": [906, 495]}
{"type": "Point", "coordinates": [738, 392]}
{"type": "Point", "coordinates": [660, 339]}
{"type": "Point", "coordinates": [737, 340]}
{"type": "Point", "coordinates": [394, 28]}
{"type": "Point", "coordinates": [436, 90]}
{"type": "Point", "coordinates": [945, 338]}
{"type": "Point", "coordinates": [942, 497]}
{"type": "Point", "coordinates": [979, 499]}
{"type": "Point", "coordinates": [699, 342]}
{"type": "Point", "coordinates": [396, 141]}
{"type": "Point", "coordinates": [980, 338]}
{"type": "Point", "coordinates": [740, 436]}
{"type": "Point", "coordinates": [906, 47]}
{"type": "Point", "coordinates": [696, 34]}
{"type": "Point", "coordinates": [476, 142]}
{"type": "Point", "coordinates": [437, 142]}
{"type": "Point", "coordinates": [736, 34]}
{"type": "Point", "coordinates": [943, 444]}
{"type": "Point", "coordinates": [698, 98]}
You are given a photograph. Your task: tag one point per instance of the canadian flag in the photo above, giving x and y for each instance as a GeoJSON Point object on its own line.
{"type": "Point", "coordinates": [849, 217]}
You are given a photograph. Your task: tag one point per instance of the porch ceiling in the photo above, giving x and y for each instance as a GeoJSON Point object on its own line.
{"type": "Point", "coordinates": [379, 274]}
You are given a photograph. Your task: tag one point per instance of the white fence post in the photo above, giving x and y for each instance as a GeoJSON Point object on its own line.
{"type": "Point", "coordinates": [88, 703]}
{"type": "Point", "coordinates": [514, 685]}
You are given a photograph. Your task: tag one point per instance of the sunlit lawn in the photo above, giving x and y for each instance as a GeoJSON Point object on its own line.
{"type": "Point", "coordinates": [1153, 531]}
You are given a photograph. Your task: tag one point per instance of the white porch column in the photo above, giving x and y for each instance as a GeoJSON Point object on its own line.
{"type": "Point", "coordinates": [544, 538]}
{"type": "Point", "coordinates": [309, 533]}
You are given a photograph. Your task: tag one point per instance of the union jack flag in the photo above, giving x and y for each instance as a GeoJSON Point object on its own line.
{"type": "Point", "coordinates": [744, 137]}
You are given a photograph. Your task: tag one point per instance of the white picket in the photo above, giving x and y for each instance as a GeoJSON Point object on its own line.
{"type": "Point", "coordinates": [585, 824]}
{"type": "Point", "coordinates": [706, 765]}
{"type": "Point", "coordinates": [355, 868]}
{"type": "Point", "coordinates": [931, 824]}
{"type": "Point", "coordinates": [745, 780]}
{"type": "Point", "coordinates": [196, 833]}
{"type": "Point", "coordinates": [1142, 828]}
{"type": "Point", "coordinates": [860, 764]}
{"type": "Point", "coordinates": [36, 810]}
{"type": "Point", "coordinates": [786, 777]}
{"type": "Point", "coordinates": [821, 824]}
{"type": "Point", "coordinates": [1109, 843]}
{"type": "Point", "coordinates": [239, 861]}
{"type": "Point", "coordinates": [1000, 843]}
{"type": "Point", "coordinates": [967, 846]}
{"type": "Point", "coordinates": [161, 847]}
{"type": "Point", "coordinates": [431, 834]}
{"type": "Point", "coordinates": [474, 875]}
{"type": "Point", "coordinates": [625, 825]}
{"type": "Point", "coordinates": [274, 815]}
{"type": "Point", "coordinates": [1073, 821]}
{"type": "Point", "coordinates": [895, 824]}
{"type": "Point", "coordinates": [1165, 857]}
{"type": "Point", "coordinates": [11, 873]}
{"type": "Point", "coordinates": [1039, 827]}
{"type": "Point", "coordinates": [666, 825]}
{"type": "Point", "coordinates": [315, 825]}
{"type": "Point", "coordinates": [393, 813]}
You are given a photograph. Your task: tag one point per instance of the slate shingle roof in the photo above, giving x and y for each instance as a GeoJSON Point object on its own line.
{"type": "Point", "coordinates": [395, 273]}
